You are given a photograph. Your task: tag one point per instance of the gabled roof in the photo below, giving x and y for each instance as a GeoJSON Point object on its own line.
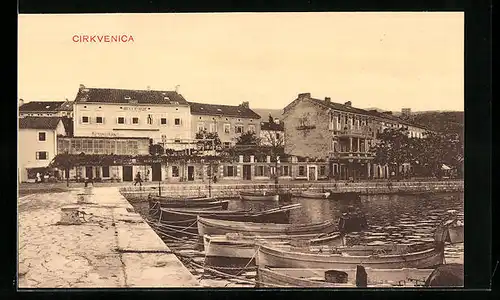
{"type": "Point", "coordinates": [41, 106]}
{"type": "Point", "coordinates": [272, 126]}
{"type": "Point", "coordinates": [48, 123]}
{"type": "Point", "coordinates": [68, 125]}
{"type": "Point", "coordinates": [103, 95]}
{"type": "Point", "coordinates": [349, 108]}
{"type": "Point", "coordinates": [238, 111]}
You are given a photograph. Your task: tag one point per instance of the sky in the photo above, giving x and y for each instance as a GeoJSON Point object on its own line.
{"type": "Point", "coordinates": [383, 60]}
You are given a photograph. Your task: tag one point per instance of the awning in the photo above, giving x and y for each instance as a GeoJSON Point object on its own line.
{"type": "Point", "coordinates": [37, 164]}
{"type": "Point", "coordinates": [445, 167]}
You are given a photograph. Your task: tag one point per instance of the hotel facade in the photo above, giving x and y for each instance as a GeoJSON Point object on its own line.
{"type": "Point", "coordinates": [340, 134]}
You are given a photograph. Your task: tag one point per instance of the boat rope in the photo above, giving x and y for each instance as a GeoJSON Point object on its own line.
{"type": "Point", "coordinates": [172, 228]}
{"type": "Point", "coordinates": [249, 262]}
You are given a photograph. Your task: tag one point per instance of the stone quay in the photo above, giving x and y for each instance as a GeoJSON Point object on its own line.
{"type": "Point", "coordinates": [91, 239]}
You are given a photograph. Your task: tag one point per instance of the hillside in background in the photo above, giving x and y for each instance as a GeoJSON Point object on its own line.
{"type": "Point", "coordinates": [264, 113]}
{"type": "Point", "coordinates": [443, 121]}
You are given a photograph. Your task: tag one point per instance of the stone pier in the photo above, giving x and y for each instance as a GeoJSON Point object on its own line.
{"type": "Point", "coordinates": [109, 246]}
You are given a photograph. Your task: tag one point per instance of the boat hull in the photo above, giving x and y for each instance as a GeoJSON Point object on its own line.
{"type": "Point", "coordinates": [250, 197]}
{"type": "Point", "coordinates": [278, 215]}
{"type": "Point", "coordinates": [284, 258]}
{"type": "Point", "coordinates": [223, 204]}
{"type": "Point", "coordinates": [314, 195]}
{"type": "Point", "coordinates": [455, 234]}
{"type": "Point", "coordinates": [220, 246]}
{"type": "Point", "coordinates": [221, 227]}
{"type": "Point", "coordinates": [290, 277]}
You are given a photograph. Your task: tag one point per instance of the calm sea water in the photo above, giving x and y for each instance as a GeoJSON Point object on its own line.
{"type": "Point", "coordinates": [390, 218]}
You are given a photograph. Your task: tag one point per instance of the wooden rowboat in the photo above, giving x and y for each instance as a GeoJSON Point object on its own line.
{"type": "Point", "coordinates": [259, 196]}
{"type": "Point", "coordinates": [314, 195]}
{"type": "Point", "coordinates": [381, 257]}
{"type": "Point", "coordinates": [240, 246]}
{"type": "Point", "coordinates": [274, 215]}
{"type": "Point", "coordinates": [219, 227]}
{"type": "Point", "coordinates": [220, 204]}
{"type": "Point", "coordinates": [451, 231]}
{"type": "Point", "coordinates": [318, 278]}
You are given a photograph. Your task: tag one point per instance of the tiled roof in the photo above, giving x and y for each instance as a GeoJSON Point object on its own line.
{"type": "Point", "coordinates": [272, 126]}
{"type": "Point", "coordinates": [49, 123]}
{"type": "Point", "coordinates": [41, 106]}
{"type": "Point", "coordinates": [66, 106]}
{"type": "Point", "coordinates": [223, 110]}
{"type": "Point", "coordinates": [128, 96]}
{"type": "Point", "coordinates": [348, 108]}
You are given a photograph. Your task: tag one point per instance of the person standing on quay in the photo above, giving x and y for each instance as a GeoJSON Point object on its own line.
{"type": "Point", "coordinates": [138, 179]}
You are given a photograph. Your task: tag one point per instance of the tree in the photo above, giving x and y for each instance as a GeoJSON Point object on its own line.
{"type": "Point", "coordinates": [156, 149]}
{"type": "Point", "coordinates": [212, 140]}
{"type": "Point", "coordinates": [271, 119]}
{"type": "Point", "coordinates": [394, 148]}
{"type": "Point", "coordinates": [274, 141]}
{"type": "Point", "coordinates": [65, 161]}
{"type": "Point", "coordinates": [248, 139]}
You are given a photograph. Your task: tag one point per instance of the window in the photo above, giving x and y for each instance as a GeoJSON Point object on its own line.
{"type": "Point", "coordinates": [302, 171]}
{"type": "Point", "coordinates": [163, 121]}
{"type": "Point", "coordinates": [177, 122]}
{"type": "Point", "coordinates": [175, 171]}
{"type": "Point", "coordinates": [213, 127]}
{"type": "Point", "coordinates": [277, 136]}
{"type": "Point", "coordinates": [42, 136]}
{"type": "Point", "coordinates": [227, 144]}
{"type": "Point", "coordinates": [85, 119]}
{"type": "Point", "coordinates": [177, 140]}
{"type": "Point", "coordinates": [105, 171]}
{"type": "Point", "coordinates": [99, 120]}
{"type": "Point", "coordinates": [230, 171]}
{"type": "Point", "coordinates": [259, 171]}
{"type": "Point", "coordinates": [227, 128]}
{"type": "Point", "coordinates": [42, 155]}
{"type": "Point", "coordinates": [121, 120]}
{"type": "Point", "coordinates": [150, 120]}
{"type": "Point", "coordinates": [322, 170]}
{"type": "Point", "coordinates": [251, 128]}
{"type": "Point", "coordinates": [285, 171]}
{"type": "Point", "coordinates": [238, 129]}
{"type": "Point", "coordinates": [135, 120]}
{"type": "Point", "coordinates": [200, 127]}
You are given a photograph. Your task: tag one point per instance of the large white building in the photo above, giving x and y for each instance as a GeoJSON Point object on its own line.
{"type": "Point", "coordinates": [159, 115]}
{"type": "Point", "coordinates": [37, 144]}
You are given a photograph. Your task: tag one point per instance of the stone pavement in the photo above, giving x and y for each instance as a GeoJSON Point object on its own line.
{"type": "Point", "coordinates": [112, 247]}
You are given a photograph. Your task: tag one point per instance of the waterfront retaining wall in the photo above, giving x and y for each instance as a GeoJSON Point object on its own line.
{"type": "Point", "coordinates": [232, 190]}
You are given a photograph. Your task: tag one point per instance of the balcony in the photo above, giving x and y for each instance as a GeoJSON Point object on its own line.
{"type": "Point", "coordinates": [350, 155]}
{"type": "Point", "coordinates": [349, 131]}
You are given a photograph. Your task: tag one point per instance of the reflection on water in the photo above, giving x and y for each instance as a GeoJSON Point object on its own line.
{"type": "Point", "coordinates": [390, 218]}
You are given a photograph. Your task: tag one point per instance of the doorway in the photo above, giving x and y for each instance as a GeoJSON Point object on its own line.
{"type": "Point", "coordinates": [312, 173]}
{"type": "Point", "coordinates": [247, 172]}
{"type": "Point", "coordinates": [127, 173]}
{"type": "Point", "coordinates": [88, 172]}
{"type": "Point", "coordinates": [190, 173]}
{"type": "Point", "coordinates": [156, 172]}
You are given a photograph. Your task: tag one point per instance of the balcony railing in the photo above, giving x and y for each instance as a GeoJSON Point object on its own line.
{"type": "Point", "coordinates": [351, 131]}
{"type": "Point", "coordinates": [351, 155]}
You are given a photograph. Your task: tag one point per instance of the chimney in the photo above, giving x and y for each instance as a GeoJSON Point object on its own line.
{"type": "Point", "coordinates": [348, 103]}
{"type": "Point", "coordinates": [21, 102]}
{"type": "Point", "coordinates": [327, 99]}
{"type": "Point", "coordinates": [304, 95]}
{"type": "Point", "coordinates": [245, 104]}
{"type": "Point", "coordinates": [82, 86]}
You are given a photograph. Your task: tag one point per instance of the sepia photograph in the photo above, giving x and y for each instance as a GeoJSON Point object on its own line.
{"type": "Point", "coordinates": [241, 150]}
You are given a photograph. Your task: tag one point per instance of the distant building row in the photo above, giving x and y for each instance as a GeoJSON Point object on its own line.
{"type": "Point", "coordinates": [122, 122]}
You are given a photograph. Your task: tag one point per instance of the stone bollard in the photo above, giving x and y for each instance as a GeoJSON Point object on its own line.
{"type": "Point", "coordinates": [84, 198]}
{"type": "Point", "coordinates": [70, 215]}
